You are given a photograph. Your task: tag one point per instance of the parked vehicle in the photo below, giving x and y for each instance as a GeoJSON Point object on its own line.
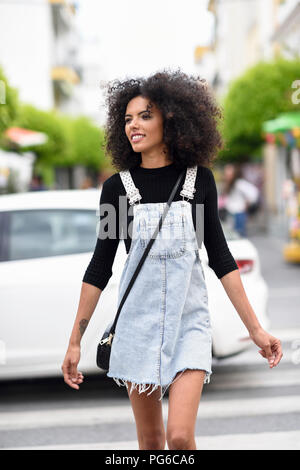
{"type": "Point", "coordinates": [46, 242]}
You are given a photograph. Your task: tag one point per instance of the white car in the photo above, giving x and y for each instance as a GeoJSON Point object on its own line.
{"type": "Point", "coordinates": [47, 239]}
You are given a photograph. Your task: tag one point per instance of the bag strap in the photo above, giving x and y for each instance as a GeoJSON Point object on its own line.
{"type": "Point", "coordinates": [147, 249]}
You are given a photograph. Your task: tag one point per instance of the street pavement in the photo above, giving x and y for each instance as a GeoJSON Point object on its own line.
{"type": "Point", "coordinates": [245, 406]}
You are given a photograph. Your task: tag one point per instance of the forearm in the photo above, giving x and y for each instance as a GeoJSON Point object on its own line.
{"type": "Point", "coordinates": [89, 297]}
{"type": "Point", "coordinates": [234, 288]}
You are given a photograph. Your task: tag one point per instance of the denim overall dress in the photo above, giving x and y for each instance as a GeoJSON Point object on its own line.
{"type": "Point", "coordinates": [164, 326]}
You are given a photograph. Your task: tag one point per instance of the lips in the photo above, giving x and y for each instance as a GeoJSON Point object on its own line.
{"type": "Point", "coordinates": [137, 137]}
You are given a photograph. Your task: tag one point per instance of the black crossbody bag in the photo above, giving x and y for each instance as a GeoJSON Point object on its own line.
{"type": "Point", "coordinates": [104, 346]}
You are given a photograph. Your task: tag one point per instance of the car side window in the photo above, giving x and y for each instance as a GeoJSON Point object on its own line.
{"type": "Point", "coordinates": [41, 233]}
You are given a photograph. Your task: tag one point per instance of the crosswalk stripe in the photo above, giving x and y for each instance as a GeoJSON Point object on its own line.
{"type": "Point", "coordinates": [254, 379]}
{"type": "Point", "coordinates": [288, 440]}
{"type": "Point", "coordinates": [262, 376]}
{"type": "Point", "coordinates": [123, 414]}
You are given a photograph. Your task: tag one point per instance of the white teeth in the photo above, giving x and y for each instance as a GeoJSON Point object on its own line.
{"type": "Point", "coordinates": [137, 137]}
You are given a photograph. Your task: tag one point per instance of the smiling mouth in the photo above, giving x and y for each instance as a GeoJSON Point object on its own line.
{"type": "Point", "coordinates": [137, 138]}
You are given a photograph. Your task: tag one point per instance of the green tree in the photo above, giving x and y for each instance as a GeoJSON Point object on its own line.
{"type": "Point", "coordinates": [260, 94]}
{"type": "Point", "coordinates": [58, 149]}
{"type": "Point", "coordinates": [70, 141]}
{"type": "Point", "coordinates": [87, 142]}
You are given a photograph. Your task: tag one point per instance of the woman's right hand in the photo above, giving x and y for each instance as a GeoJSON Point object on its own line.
{"type": "Point", "coordinates": [72, 377]}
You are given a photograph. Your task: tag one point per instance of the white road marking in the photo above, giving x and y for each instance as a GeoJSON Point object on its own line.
{"type": "Point", "coordinates": [258, 378]}
{"type": "Point", "coordinates": [288, 440]}
{"type": "Point", "coordinates": [92, 416]}
{"type": "Point", "coordinates": [208, 409]}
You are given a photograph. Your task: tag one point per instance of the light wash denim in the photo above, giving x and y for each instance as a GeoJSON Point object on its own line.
{"type": "Point", "coordinates": [164, 325]}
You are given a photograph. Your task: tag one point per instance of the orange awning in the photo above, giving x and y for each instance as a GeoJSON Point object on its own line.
{"type": "Point", "coordinates": [25, 137]}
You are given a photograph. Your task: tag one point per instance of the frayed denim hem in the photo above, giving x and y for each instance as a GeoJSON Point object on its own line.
{"type": "Point", "coordinates": [140, 387]}
{"type": "Point", "coordinates": [206, 378]}
{"type": "Point", "coordinates": [143, 387]}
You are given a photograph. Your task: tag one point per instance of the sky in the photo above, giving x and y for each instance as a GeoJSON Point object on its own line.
{"type": "Point", "coordinates": [138, 38]}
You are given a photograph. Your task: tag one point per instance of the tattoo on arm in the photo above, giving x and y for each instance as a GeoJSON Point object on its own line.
{"type": "Point", "coordinates": [82, 325]}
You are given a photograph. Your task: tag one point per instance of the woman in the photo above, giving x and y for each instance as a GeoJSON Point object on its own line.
{"type": "Point", "coordinates": [163, 335]}
{"type": "Point", "coordinates": [239, 196]}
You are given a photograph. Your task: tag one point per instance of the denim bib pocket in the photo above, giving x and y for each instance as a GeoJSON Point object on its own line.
{"type": "Point", "coordinates": [170, 241]}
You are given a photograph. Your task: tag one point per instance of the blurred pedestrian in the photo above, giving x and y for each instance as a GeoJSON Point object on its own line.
{"type": "Point", "coordinates": [87, 183]}
{"type": "Point", "coordinates": [222, 207]}
{"type": "Point", "coordinates": [239, 196]}
{"type": "Point", "coordinates": [37, 184]}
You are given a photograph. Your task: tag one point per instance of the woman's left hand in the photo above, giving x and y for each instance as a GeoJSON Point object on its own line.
{"type": "Point", "coordinates": [270, 346]}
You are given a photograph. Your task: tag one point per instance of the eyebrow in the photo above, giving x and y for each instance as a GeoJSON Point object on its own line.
{"type": "Point", "coordinates": [145, 111]}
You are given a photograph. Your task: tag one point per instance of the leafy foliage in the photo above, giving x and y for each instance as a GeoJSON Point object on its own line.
{"type": "Point", "coordinates": [260, 94]}
{"type": "Point", "coordinates": [8, 109]}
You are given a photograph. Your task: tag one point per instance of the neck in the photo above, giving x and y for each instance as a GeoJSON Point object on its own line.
{"type": "Point", "coordinates": [155, 163]}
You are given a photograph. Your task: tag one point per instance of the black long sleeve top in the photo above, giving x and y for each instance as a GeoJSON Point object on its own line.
{"type": "Point", "coordinates": [155, 185]}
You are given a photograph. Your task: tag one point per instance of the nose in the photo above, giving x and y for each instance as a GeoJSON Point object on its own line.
{"type": "Point", "coordinates": [132, 125]}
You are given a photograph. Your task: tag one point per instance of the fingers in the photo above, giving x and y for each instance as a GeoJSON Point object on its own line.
{"type": "Point", "coordinates": [71, 378]}
{"type": "Point", "coordinates": [68, 380]}
{"type": "Point", "coordinates": [271, 358]}
{"type": "Point", "coordinates": [277, 350]}
{"type": "Point", "coordinates": [267, 353]}
{"type": "Point", "coordinates": [272, 353]}
{"type": "Point", "coordinates": [79, 379]}
{"type": "Point", "coordinates": [73, 371]}
{"type": "Point", "coordinates": [74, 382]}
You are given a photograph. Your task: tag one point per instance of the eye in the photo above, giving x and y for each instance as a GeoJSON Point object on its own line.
{"type": "Point", "coordinates": [144, 116]}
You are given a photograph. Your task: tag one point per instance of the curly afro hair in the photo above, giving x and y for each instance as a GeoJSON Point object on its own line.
{"type": "Point", "coordinates": [190, 117]}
